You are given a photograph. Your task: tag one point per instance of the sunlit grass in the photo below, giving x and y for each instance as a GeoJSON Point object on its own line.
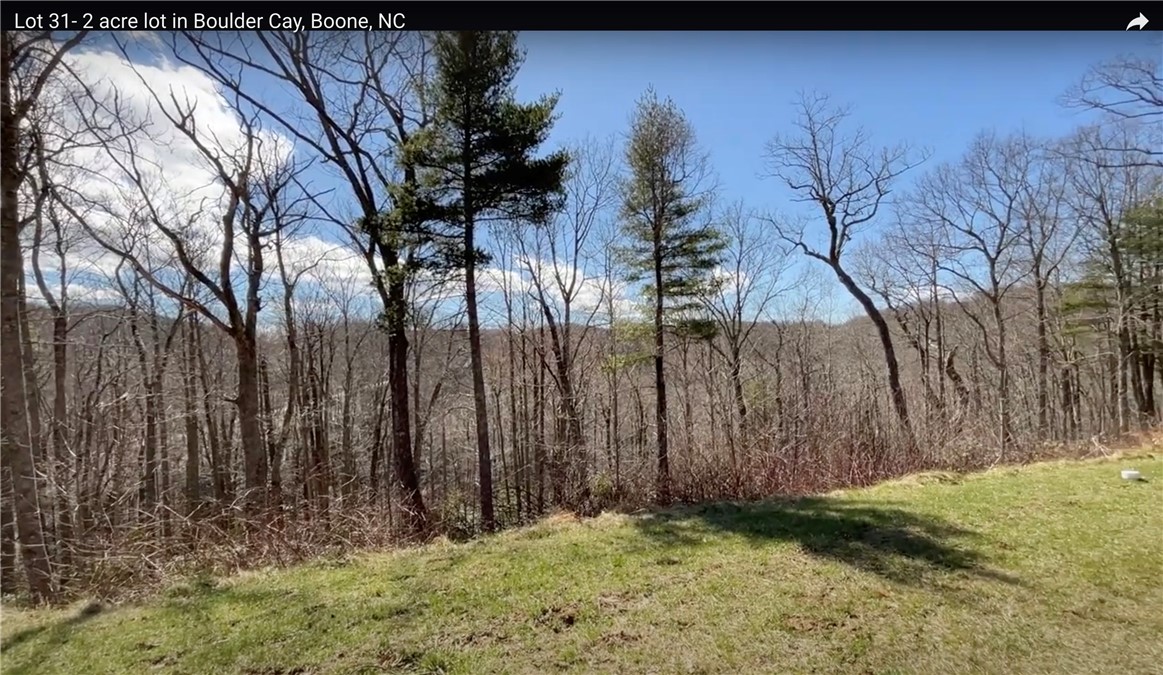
{"type": "Point", "coordinates": [1053, 568]}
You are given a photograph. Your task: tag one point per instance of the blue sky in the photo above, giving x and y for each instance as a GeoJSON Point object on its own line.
{"type": "Point", "coordinates": [932, 90]}
{"type": "Point", "coordinates": [936, 90]}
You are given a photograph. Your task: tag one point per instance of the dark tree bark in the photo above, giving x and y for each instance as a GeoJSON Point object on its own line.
{"type": "Point", "coordinates": [317, 67]}
{"type": "Point", "coordinates": [190, 418]}
{"type": "Point", "coordinates": [848, 181]}
{"type": "Point", "coordinates": [27, 62]}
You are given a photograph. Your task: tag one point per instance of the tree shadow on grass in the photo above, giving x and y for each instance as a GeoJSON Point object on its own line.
{"type": "Point", "coordinates": [55, 633]}
{"type": "Point", "coordinates": [191, 601]}
{"type": "Point", "coordinates": [893, 543]}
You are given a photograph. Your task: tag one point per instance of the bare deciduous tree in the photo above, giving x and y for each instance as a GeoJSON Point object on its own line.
{"type": "Point", "coordinates": [554, 259]}
{"type": "Point", "coordinates": [1127, 89]}
{"type": "Point", "coordinates": [362, 95]}
{"type": "Point", "coordinates": [260, 199]}
{"type": "Point", "coordinates": [27, 62]}
{"type": "Point", "coordinates": [849, 181]}
{"type": "Point", "coordinates": [978, 207]}
{"type": "Point", "coordinates": [158, 227]}
{"type": "Point", "coordinates": [748, 282]}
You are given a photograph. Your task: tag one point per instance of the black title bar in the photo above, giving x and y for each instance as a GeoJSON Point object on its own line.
{"type": "Point", "coordinates": [574, 15]}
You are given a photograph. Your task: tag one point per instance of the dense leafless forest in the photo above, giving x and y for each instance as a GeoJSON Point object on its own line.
{"type": "Point", "coordinates": [193, 374]}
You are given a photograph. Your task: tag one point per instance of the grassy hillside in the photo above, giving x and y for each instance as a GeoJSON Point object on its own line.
{"type": "Point", "coordinates": [1054, 568]}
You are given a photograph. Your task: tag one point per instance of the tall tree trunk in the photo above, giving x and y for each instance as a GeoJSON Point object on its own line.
{"type": "Point", "coordinates": [1132, 371]}
{"type": "Point", "coordinates": [18, 453]}
{"type": "Point", "coordinates": [347, 459]}
{"type": "Point", "coordinates": [939, 328]}
{"type": "Point", "coordinates": [506, 474]}
{"type": "Point", "coordinates": [900, 404]}
{"type": "Point", "coordinates": [149, 468]}
{"type": "Point", "coordinates": [688, 412]}
{"type": "Point", "coordinates": [9, 581]}
{"type": "Point", "coordinates": [193, 452]}
{"type": "Point", "coordinates": [660, 407]}
{"type": "Point", "coordinates": [737, 384]}
{"type": "Point", "coordinates": [1043, 354]}
{"type": "Point", "coordinates": [33, 407]}
{"type": "Point", "coordinates": [377, 443]}
{"type": "Point", "coordinates": [615, 413]}
{"type": "Point", "coordinates": [287, 430]}
{"type": "Point", "coordinates": [273, 444]}
{"type": "Point", "coordinates": [404, 456]}
{"type": "Point", "coordinates": [1005, 412]}
{"type": "Point", "coordinates": [223, 485]}
{"type": "Point", "coordinates": [539, 422]}
{"type": "Point", "coordinates": [1111, 391]}
{"type": "Point", "coordinates": [480, 402]}
{"type": "Point", "coordinates": [563, 370]}
{"type": "Point", "coordinates": [513, 432]}
{"type": "Point", "coordinates": [152, 467]}
{"type": "Point", "coordinates": [254, 456]}
{"type": "Point", "coordinates": [60, 408]}
{"type": "Point", "coordinates": [319, 483]}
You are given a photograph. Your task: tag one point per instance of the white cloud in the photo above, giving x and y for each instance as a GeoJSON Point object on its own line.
{"type": "Point", "coordinates": [77, 292]}
{"type": "Point", "coordinates": [142, 167]}
{"type": "Point", "coordinates": [731, 281]}
{"type": "Point", "coordinates": [500, 280]}
{"type": "Point", "coordinates": [331, 264]}
{"type": "Point", "coordinates": [177, 178]}
{"type": "Point", "coordinates": [445, 294]}
{"type": "Point", "coordinates": [147, 93]}
{"type": "Point", "coordinates": [85, 293]}
{"type": "Point", "coordinates": [920, 294]}
{"type": "Point", "coordinates": [590, 294]}
{"type": "Point", "coordinates": [182, 184]}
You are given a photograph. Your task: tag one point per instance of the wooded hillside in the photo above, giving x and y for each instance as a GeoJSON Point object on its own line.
{"type": "Point", "coordinates": [388, 308]}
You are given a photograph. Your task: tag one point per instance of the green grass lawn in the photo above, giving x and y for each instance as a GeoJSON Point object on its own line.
{"type": "Point", "coordinates": [1054, 568]}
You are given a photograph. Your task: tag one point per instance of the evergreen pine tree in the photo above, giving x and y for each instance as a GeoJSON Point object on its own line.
{"type": "Point", "coordinates": [673, 248]}
{"type": "Point", "coordinates": [476, 165]}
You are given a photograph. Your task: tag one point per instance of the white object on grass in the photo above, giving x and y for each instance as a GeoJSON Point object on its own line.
{"type": "Point", "coordinates": [1131, 474]}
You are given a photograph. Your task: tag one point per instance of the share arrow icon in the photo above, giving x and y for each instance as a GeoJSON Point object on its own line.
{"type": "Point", "coordinates": [1137, 22]}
